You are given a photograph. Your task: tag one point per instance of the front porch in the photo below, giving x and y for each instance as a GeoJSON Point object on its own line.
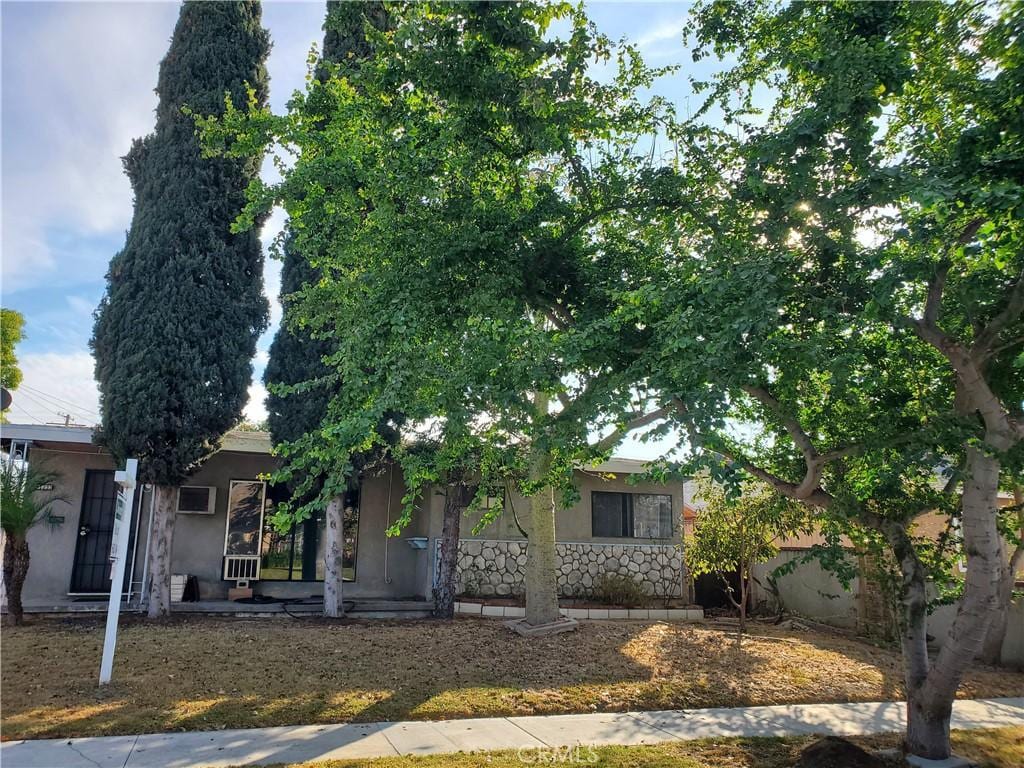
{"type": "Point", "coordinates": [270, 607]}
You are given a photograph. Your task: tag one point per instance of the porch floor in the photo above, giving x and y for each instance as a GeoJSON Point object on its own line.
{"type": "Point", "coordinates": [356, 608]}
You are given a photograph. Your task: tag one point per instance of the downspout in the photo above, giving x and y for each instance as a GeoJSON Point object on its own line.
{"type": "Point", "coordinates": [387, 518]}
{"type": "Point", "coordinates": [144, 592]}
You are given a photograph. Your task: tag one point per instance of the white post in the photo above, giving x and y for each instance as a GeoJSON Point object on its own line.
{"type": "Point", "coordinates": [118, 556]}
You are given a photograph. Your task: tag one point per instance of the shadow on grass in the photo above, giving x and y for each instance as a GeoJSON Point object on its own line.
{"type": "Point", "coordinates": [211, 673]}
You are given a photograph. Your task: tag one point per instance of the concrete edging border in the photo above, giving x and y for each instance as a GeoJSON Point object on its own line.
{"type": "Point", "coordinates": [602, 614]}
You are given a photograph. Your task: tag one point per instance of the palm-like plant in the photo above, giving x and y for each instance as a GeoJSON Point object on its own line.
{"type": "Point", "coordinates": [23, 503]}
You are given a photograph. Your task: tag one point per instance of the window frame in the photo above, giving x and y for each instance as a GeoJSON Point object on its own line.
{"type": "Point", "coordinates": [211, 505]}
{"type": "Point", "coordinates": [628, 517]}
{"type": "Point", "coordinates": [290, 537]}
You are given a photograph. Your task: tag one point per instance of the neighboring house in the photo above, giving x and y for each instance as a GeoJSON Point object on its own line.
{"type": "Point", "coordinates": [222, 534]}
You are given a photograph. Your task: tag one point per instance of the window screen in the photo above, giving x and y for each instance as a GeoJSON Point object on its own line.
{"type": "Point", "coordinates": [195, 500]}
{"type": "Point", "coordinates": [631, 515]}
{"type": "Point", "coordinates": [610, 516]}
{"type": "Point", "coordinates": [652, 516]}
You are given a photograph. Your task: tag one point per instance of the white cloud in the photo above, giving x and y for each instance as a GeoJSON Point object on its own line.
{"type": "Point", "coordinates": [56, 384]}
{"type": "Point", "coordinates": [662, 31]}
{"type": "Point", "coordinates": [68, 120]}
{"type": "Point", "coordinates": [256, 411]}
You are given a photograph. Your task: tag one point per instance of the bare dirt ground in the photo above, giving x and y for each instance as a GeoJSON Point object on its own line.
{"type": "Point", "coordinates": [207, 673]}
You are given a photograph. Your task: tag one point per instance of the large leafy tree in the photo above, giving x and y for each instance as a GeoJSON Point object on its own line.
{"type": "Point", "coordinates": [299, 382]}
{"type": "Point", "coordinates": [177, 328]}
{"type": "Point", "coordinates": [494, 200]}
{"type": "Point", "coordinates": [855, 287]}
{"type": "Point", "coordinates": [11, 324]}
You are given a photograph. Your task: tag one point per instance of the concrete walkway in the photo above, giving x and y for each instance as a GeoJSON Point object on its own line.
{"type": "Point", "coordinates": [304, 743]}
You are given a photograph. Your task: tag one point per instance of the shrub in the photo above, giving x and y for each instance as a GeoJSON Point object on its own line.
{"type": "Point", "coordinates": [616, 589]}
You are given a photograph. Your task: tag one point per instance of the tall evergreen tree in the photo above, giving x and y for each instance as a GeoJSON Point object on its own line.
{"type": "Point", "coordinates": [296, 355]}
{"type": "Point", "coordinates": [176, 330]}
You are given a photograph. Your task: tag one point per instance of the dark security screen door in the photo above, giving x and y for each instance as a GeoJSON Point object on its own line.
{"type": "Point", "coordinates": [95, 528]}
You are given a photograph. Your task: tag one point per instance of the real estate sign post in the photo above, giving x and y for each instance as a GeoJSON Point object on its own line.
{"type": "Point", "coordinates": [118, 556]}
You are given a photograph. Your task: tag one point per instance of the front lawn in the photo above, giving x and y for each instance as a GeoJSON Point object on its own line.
{"type": "Point", "coordinates": [205, 673]}
{"type": "Point", "coordinates": [997, 748]}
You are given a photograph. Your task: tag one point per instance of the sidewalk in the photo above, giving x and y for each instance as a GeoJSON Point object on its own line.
{"type": "Point", "coordinates": [304, 743]}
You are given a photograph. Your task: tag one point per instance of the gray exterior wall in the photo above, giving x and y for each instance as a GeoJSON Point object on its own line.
{"type": "Point", "coordinates": [816, 594]}
{"type": "Point", "coordinates": [52, 548]}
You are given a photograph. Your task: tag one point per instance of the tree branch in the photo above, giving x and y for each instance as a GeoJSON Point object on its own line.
{"type": "Point", "coordinates": [814, 461]}
{"type": "Point", "coordinates": [816, 497]}
{"type": "Point", "coordinates": [636, 422]}
{"type": "Point", "coordinates": [983, 346]}
{"type": "Point", "coordinates": [1002, 430]}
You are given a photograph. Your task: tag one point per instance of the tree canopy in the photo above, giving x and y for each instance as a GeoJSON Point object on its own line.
{"type": "Point", "coordinates": [11, 324]}
{"type": "Point", "coordinates": [482, 191]}
{"type": "Point", "coordinates": [853, 287]}
{"type": "Point", "coordinates": [177, 327]}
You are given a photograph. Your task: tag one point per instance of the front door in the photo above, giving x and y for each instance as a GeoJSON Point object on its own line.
{"type": "Point", "coordinates": [91, 572]}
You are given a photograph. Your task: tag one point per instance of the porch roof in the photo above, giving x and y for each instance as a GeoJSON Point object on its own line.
{"type": "Point", "coordinates": [81, 438]}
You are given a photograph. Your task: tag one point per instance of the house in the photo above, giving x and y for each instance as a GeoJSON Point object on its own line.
{"type": "Point", "coordinates": [222, 535]}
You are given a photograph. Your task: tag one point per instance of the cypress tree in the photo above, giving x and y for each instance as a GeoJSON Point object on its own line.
{"type": "Point", "coordinates": [295, 356]}
{"type": "Point", "coordinates": [176, 330]}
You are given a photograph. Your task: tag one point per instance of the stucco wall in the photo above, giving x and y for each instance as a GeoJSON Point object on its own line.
{"type": "Point", "coordinates": [385, 567]}
{"type": "Point", "coordinates": [810, 591]}
{"type": "Point", "coordinates": [572, 523]}
{"type": "Point", "coordinates": [52, 548]}
{"type": "Point", "coordinates": [1013, 643]}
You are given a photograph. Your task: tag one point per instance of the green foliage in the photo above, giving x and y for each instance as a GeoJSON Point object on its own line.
{"type": "Point", "coordinates": [176, 330]}
{"type": "Point", "coordinates": [736, 531]}
{"type": "Point", "coordinates": [863, 156]}
{"type": "Point", "coordinates": [25, 496]}
{"type": "Point", "coordinates": [619, 590]}
{"type": "Point", "coordinates": [473, 200]}
{"type": "Point", "coordinates": [11, 323]}
{"type": "Point", "coordinates": [299, 383]}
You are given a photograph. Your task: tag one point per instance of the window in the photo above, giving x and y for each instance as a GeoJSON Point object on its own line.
{"type": "Point", "coordinates": [631, 515]}
{"type": "Point", "coordinates": [244, 523]}
{"type": "Point", "coordinates": [196, 500]}
{"type": "Point", "coordinates": [298, 555]}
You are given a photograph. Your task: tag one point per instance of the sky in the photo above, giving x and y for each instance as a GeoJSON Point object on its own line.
{"type": "Point", "coordinates": [77, 86]}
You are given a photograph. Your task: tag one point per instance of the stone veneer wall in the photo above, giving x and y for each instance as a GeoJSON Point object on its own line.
{"type": "Point", "coordinates": [488, 567]}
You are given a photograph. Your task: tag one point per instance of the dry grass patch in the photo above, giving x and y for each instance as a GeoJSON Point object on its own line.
{"type": "Point", "coordinates": [205, 673]}
{"type": "Point", "coordinates": [998, 748]}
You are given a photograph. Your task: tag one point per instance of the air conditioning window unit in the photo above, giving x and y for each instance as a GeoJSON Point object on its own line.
{"type": "Point", "coordinates": [241, 568]}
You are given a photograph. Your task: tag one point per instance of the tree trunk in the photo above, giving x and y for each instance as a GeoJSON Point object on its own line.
{"type": "Point", "coordinates": [992, 649]}
{"type": "Point", "coordinates": [16, 560]}
{"type": "Point", "coordinates": [447, 576]}
{"type": "Point", "coordinates": [930, 703]}
{"type": "Point", "coordinates": [159, 553]}
{"type": "Point", "coordinates": [541, 577]}
{"type": "Point", "coordinates": [334, 549]}
{"type": "Point", "coordinates": [914, 637]}
{"type": "Point", "coordinates": [744, 588]}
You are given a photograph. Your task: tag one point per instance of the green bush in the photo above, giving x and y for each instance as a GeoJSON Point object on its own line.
{"type": "Point", "coordinates": [616, 589]}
